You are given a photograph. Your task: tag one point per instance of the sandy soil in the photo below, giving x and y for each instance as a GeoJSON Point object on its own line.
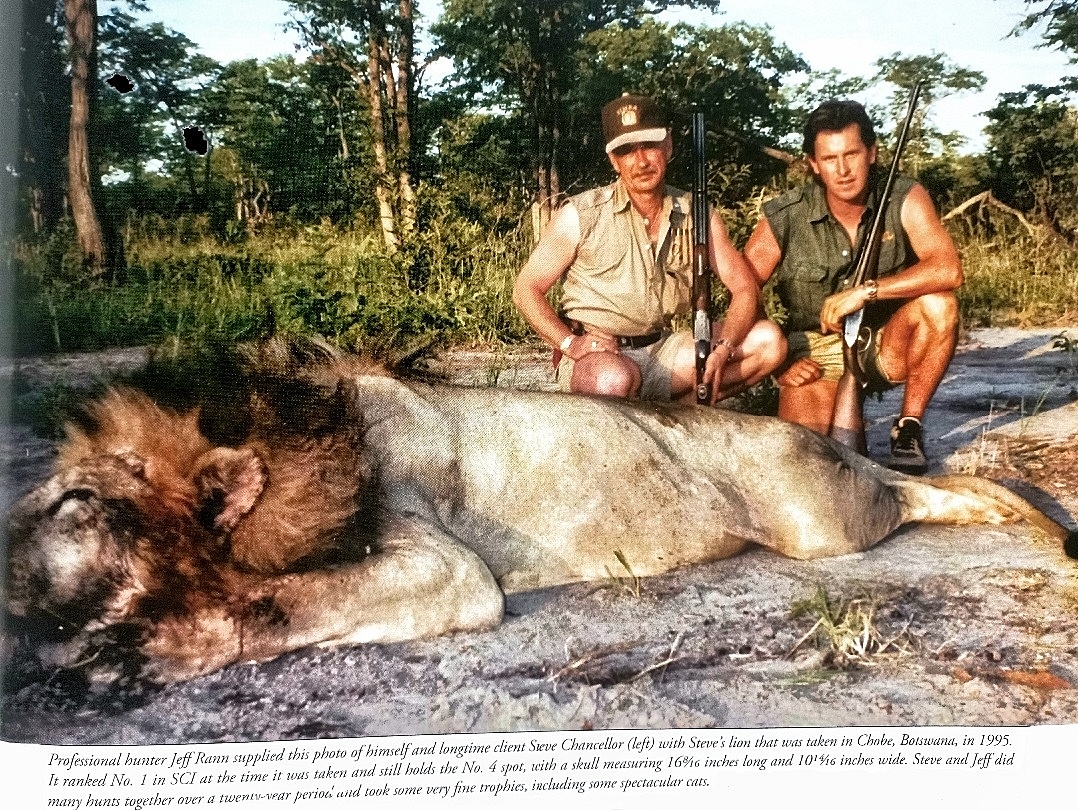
{"type": "Point", "coordinates": [964, 626]}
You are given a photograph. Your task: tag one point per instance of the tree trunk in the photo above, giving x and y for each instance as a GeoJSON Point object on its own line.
{"type": "Point", "coordinates": [384, 185]}
{"type": "Point", "coordinates": [44, 98]}
{"type": "Point", "coordinates": [81, 23]}
{"type": "Point", "coordinates": [405, 92]}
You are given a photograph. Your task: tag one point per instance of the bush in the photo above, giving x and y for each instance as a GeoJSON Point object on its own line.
{"type": "Point", "coordinates": [453, 282]}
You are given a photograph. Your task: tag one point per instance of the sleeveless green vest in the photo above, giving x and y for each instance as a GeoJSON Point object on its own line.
{"type": "Point", "coordinates": [817, 257]}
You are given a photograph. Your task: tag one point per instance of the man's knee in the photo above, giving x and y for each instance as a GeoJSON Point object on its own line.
{"type": "Point", "coordinates": [767, 344]}
{"type": "Point", "coordinates": [938, 312]}
{"type": "Point", "coordinates": [606, 375]}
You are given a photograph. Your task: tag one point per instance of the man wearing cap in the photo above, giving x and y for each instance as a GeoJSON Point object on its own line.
{"type": "Point", "coordinates": [624, 253]}
{"type": "Point", "coordinates": [807, 240]}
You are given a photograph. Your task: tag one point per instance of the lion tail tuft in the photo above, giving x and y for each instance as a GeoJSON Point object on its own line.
{"type": "Point", "coordinates": [1070, 545]}
{"type": "Point", "coordinates": [985, 489]}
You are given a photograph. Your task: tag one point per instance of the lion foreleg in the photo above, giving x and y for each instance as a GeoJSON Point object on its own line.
{"type": "Point", "coordinates": [420, 583]}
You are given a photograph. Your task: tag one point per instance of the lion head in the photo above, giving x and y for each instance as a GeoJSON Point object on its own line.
{"type": "Point", "coordinates": [145, 518]}
{"type": "Point", "coordinates": [132, 523]}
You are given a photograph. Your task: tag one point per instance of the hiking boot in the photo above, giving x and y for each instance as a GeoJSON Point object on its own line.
{"type": "Point", "coordinates": [907, 446]}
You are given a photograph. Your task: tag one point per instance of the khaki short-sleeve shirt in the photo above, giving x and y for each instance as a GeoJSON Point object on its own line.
{"type": "Point", "coordinates": [619, 282]}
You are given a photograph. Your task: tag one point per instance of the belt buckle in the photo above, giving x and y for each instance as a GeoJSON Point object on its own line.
{"type": "Point", "coordinates": [638, 341]}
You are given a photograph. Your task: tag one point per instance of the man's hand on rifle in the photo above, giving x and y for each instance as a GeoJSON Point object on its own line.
{"type": "Point", "coordinates": [839, 305]}
{"type": "Point", "coordinates": [714, 367]}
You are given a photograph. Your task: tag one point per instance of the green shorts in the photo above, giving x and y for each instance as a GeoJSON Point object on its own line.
{"type": "Point", "coordinates": [827, 351]}
{"type": "Point", "coordinates": [656, 364]}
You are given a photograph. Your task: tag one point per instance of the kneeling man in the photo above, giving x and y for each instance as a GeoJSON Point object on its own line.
{"type": "Point", "coordinates": [625, 255]}
{"type": "Point", "coordinates": [808, 239]}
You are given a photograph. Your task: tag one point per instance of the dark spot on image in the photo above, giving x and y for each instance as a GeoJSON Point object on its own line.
{"type": "Point", "coordinates": [268, 611]}
{"type": "Point", "coordinates": [120, 83]}
{"type": "Point", "coordinates": [194, 139]}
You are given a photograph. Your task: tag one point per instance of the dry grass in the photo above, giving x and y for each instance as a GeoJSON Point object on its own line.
{"type": "Point", "coordinates": [628, 584]}
{"type": "Point", "coordinates": [849, 629]}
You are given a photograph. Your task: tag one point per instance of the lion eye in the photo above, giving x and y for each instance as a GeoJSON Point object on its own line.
{"type": "Point", "coordinates": [77, 495]}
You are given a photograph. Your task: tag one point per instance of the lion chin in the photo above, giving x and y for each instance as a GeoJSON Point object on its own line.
{"type": "Point", "coordinates": [362, 508]}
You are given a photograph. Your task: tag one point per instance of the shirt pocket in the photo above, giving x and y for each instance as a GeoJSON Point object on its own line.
{"type": "Point", "coordinates": [802, 291]}
{"type": "Point", "coordinates": [606, 262]}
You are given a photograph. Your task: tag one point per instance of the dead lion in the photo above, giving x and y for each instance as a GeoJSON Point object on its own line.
{"type": "Point", "coordinates": [371, 509]}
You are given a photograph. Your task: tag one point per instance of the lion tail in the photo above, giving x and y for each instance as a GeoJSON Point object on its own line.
{"type": "Point", "coordinates": [982, 488]}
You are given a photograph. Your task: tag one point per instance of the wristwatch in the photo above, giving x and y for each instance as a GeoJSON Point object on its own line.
{"type": "Point", "coordinates": [723, 342]}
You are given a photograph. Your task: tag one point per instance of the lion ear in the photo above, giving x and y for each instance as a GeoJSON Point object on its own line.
{"type": "Point", "coordinates": [229, 482]}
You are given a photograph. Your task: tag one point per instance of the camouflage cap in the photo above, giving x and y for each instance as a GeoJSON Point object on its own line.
{"type": "Point", "coordinates": [632, 119]}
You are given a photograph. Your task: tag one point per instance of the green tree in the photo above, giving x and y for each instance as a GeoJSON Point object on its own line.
{"type": "Point", "coordinates": [527, 57]}
{"type": "Point", "coordinates": [1059, 19]}
{"type": "Point", "coordinates": [733, 73]}
{"type": "Point", "coordinates": [147, 122]}
{"type": "Point", "coordinates": [288, 140]}
{"type": "Point", "coordinates": [44, 96]}
{"type": "Point", "coordinates": [1033, 155]}
{"type": "Point", "coordinates": [939, 77]}
{"type": "Point", "coordinates": [373, 41]}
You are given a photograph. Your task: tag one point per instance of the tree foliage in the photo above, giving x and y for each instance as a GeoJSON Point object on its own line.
{"type": "Point", "coordinates": [373, 42]}
{"type": "Point", "coordinates": [154, 79]}
{"type": "Point", "coordinates": [1058, 20]}
{"type": "Point", "coordinates": [349, 133]}
{"type": "Point", "coordinates": [44, 98]}
{"type": "Point", "coordinates": [528, 57]}
{"type": "Point", "coordinates": [939, 77]}
{"type": "Point", "coordinates": [1033, 155]}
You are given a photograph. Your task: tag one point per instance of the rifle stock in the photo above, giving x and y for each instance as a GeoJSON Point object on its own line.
{"type": "Point", "coordinates": [701, 279]}
{"type": "Point", "coordinates": [847, 423]}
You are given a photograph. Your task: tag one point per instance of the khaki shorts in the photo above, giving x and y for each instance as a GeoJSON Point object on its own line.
{"type": "Point", "coordinates": [827, 351]}
{"type": "Point", "coordinates": [656, 364]}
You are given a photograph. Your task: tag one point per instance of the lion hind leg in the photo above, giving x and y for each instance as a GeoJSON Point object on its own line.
{"type": "Point", "coordinates": [963, 499]}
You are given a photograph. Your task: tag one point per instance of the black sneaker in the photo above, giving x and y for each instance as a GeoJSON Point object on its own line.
{"type": "Point", "coordinates": [907, 446]}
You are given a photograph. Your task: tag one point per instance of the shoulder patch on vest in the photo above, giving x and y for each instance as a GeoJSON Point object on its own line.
{"type": "Point", "coordinates": [783, 201]}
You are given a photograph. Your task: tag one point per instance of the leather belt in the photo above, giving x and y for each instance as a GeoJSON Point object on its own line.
{"type": "Point", "coordinates": [638, 341]}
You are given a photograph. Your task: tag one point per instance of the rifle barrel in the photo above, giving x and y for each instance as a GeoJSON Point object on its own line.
{"type": "Point", "coordinates": [701, 281]}
{"type": "Point", "coordinates": [867, 256]}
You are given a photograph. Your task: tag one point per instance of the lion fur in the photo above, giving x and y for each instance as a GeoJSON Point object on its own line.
{"type": "Point", "coordinates": [358, 507]}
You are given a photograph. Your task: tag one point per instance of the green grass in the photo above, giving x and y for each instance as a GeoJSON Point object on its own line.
{"type": "Point", "coordinates": [452, 285]}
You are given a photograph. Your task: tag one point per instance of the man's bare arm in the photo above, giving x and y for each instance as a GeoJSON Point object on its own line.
{"type": "Point", "coordinates": [938, 268]}
{"type": "Point", "coordinates": [548, 261]}
{"type": "Point", "coordinates": [762, 252]}
{"type": "Point", "coordinates": [734, 272]}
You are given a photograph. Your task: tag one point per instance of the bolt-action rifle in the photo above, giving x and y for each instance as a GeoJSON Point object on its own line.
{"type": "Point", "coordinates": [847, 425]}
{"type": "Point", "coordinates": [701, 278]}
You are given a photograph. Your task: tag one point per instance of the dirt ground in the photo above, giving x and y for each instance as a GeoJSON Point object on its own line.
{"type": "Point", "coordinates": [935, 626]}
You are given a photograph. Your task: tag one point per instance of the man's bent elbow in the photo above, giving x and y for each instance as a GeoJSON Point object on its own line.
{"type": "Point", "coordinates": [525, 294]}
